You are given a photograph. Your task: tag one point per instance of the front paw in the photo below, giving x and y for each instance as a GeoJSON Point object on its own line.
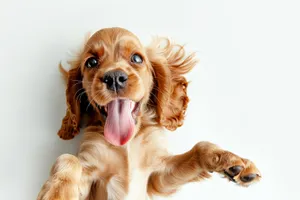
{"type": "Point", "coordinates": [244, 174]}
{"type": "Point", "coordinates": [234, 168]}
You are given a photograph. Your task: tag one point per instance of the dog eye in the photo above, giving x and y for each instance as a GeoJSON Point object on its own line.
{"type": "Point", "coordinates": [91, 62]}
{"type": "Point", "coordinates": [136, 58]}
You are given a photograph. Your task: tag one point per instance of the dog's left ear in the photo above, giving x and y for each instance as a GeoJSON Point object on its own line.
{"type": "Point", "coordinates": [170, 64]}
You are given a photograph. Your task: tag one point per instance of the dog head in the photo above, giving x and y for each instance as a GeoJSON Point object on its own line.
{"type": "Point", "coordinates": [124, 82]}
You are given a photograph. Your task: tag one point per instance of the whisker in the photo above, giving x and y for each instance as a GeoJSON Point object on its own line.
{"type": "Point", "coordinates": [75, 80]}
{"type": "Point", "coordinates": [76, 84]}
{"type": "Point", "coordinates": [75, 95]}
{"type": "Point", "coordinates": [80, 95]}
{"type": "Point", "coordinates": [92, 100]}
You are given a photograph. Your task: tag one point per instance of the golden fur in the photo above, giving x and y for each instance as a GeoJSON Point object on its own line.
{"type": "Point", "coordinates": [142, 167]}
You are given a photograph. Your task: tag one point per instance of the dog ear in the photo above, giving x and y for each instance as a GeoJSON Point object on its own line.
{"type": "Point", "coordinates": [71, 122]}
{"type": "Point", "coordinates": [170, 64]}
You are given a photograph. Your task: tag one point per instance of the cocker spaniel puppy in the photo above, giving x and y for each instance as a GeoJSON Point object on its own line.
{"type": "Point", "coordinates": [125, 94]}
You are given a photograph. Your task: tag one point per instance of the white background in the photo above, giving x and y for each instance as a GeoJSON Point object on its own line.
{"type": "Point", "coordinates": [244, 93]}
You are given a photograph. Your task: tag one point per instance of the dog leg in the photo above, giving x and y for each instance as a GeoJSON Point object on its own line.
{"type": "Point", "coordinates": [196, 165]}
{"type": "Point", "coordinates": [67, 180]}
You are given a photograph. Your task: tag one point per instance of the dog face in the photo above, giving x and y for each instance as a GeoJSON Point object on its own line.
{"type": "Point", "coordinates": [117, 79]}
{"type": "Point", "coordinates": [124, 81]}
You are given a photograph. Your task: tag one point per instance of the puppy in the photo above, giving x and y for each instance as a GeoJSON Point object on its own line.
{"type": "Point", "coordinates": [125, 94]}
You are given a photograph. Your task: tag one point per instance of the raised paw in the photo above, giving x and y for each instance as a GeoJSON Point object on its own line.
{"type": "Point", "coordinates": [234, 168]}
{"type": "Point", "coordinates": [243, 174]}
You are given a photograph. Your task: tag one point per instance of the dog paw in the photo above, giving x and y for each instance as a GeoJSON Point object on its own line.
{"type": "Point", "coordinates": [243, 174]}
{"type": "Point", "coordinates": [234, 168]}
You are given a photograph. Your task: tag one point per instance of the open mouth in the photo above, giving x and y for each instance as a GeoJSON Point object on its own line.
{"type": "Point", "coordinates": [120, 120]}
{"type": "Point", "coordinates": [135, 108]}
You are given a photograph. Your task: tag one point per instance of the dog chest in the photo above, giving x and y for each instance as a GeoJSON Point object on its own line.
{"type": "Point", "coordinates": [138, 185]}
{"type": "Point", "coordinates": [135, 179]}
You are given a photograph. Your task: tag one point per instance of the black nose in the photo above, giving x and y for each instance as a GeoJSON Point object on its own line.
{"type": "Point", "coordinates": [115, 80]}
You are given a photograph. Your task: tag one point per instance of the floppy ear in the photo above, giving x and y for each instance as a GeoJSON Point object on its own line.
{"type": "Point", "coordinates": [169, 64]}
{"type": "Point", "coordinates": [71, 122]}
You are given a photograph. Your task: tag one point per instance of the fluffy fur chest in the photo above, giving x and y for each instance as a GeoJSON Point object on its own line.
{"type": "Point", "coordinates": [137, 186]}
{"type": "Point", "coordinates": [122, 173]}
{"type": "Point", "coordinates": [134, 175]}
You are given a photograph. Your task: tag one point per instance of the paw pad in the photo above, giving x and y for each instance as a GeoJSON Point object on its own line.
{"type": "Point", "coordinates": [235, 170]}
{"type": "Point", "coordinates": [248, 178]}
{"type": "Point", "coordinates": [236, 175]}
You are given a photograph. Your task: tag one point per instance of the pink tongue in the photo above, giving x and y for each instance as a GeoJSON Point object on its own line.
{"type": "Point", "coordinates": [119, 124]}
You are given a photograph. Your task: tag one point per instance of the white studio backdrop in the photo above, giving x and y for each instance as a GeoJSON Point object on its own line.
{"type": "Point", "coordinates": [244, 92]}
